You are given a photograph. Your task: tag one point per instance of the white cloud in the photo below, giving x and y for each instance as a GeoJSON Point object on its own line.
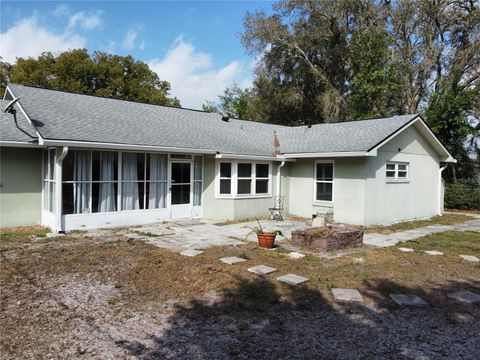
{"type": "Point", "coordinates": [85, 20]}
{"type": "Point", "coordinates": [61, 10]}
{"type": "Point", "coordinates": [128, 42]}
{"type": "Point", "coordinates": [193, 76]}
{"type": "Point", "coordinates": [27, 38]}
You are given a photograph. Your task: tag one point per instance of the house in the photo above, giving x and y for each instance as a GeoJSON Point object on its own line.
{"type": "Point", "coordinates": [71, 161]}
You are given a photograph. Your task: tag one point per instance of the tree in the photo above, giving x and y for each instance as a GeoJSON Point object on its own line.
{"type": "Point", "coordinates": [374, 88]}
{"type": "Point", "coordinates": [329, 60]}
{"type": "Point", "coordinates": [447, 115]}
{"type": "Point", "coordinates": [233, 103]}
{"type": "Point", "coordinates": [5, 75]}
{"type": "Point", "coordinates": [119, 77]}
{"type": "Point", "coordinates": [432, 40]}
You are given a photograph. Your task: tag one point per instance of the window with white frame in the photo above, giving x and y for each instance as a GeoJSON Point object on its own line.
{"type": "Point", "coordinates": [324, 174]}
{"type": "Point", "coordinates": [49, 180]}
{"type": "Point", "coordinates": [225, 178]}
{"type": "Point", "coordinates": [396, 171]}
{"type": "Point", "coordinates": [243, 179]}
{"type": "Point", "coordinates": [262, 178]}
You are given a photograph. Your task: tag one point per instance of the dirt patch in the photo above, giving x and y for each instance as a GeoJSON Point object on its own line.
{"type": "Point", "coordinates": [107, 297]}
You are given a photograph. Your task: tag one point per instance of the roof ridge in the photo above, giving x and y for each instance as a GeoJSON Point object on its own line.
{"type": "Point", "coordinates": [110, 98]}
{"type": "Point", "coordinates": [202, 111]}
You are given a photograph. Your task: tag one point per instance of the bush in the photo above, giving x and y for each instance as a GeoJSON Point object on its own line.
{"type": "Point", "coordinates": [463, 196]}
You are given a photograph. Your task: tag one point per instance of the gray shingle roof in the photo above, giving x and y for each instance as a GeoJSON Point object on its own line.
{"type": "Point", "coordinates": [66, 116]}
{"type": "Point", "coordinates": [15, 127]}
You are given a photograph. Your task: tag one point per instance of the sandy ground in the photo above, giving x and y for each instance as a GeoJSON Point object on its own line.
{"type": "Point", "coordinates": [68, 300]}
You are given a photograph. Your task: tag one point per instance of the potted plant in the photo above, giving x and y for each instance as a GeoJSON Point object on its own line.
{"type": "Point", "coordinates": [265, 238]}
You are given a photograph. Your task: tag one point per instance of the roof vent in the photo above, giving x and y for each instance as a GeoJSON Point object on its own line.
{"type": "Point", "coordinates": [225, 118]}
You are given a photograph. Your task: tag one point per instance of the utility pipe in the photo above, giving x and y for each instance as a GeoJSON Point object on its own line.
{"type": "Point", "coordinates": [279, 178]}
{"type": "Point", "coordinates": [440, 171]}
{"type": "Point", "coordinates": [58, 189]}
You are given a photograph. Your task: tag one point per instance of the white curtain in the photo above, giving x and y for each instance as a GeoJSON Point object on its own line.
{"type": "Point", "coordinates": [106, 196]}
{"type": "Point", "coordinates": [197, 183]}
{"type": "Point", "coordinates": [81, 172]}
{"type": "Point", "coordinates": [157, 191]}
{"type": "Point", "coordinates": [129, 188]}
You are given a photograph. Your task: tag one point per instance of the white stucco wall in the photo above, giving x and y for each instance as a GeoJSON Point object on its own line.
{"type": "Point", "coordinates": [348, 195]}
{"type": "Point", "coordinates": [388, 202]}
{"type": "Point", "coordinates": [237, 209]}
{"type": "Point", "coordinates": [362, 195]}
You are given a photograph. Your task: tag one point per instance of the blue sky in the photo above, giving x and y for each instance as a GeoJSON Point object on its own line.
{"type": "Point", "coordinates": [193, 44]}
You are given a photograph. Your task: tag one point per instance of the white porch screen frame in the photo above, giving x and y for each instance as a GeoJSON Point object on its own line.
{"type": "Point", "coordinates": [49, 159]}
{"type": "Point", "coordinates": [197, 180]}
{"type": "Point", "coordinates": [125, 183]}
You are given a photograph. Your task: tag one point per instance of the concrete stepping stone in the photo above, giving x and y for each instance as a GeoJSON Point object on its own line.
{"type": "Point", "coordinates": [292, 279]}
{"type": "Point", "coordinates": [465, 296]}
{"type": "Point", "coordinates": [261, 269]}
{"type": "Point", "coordinates": [347, 294]}
{"type": "Point", "coordinates": [191, 252]}
{"type": "Point", "coordinates": [230, 260]}
{"type": "Point", "coordinates": [433, 253]}
{"type": "Point", "coordinates": [296, 255]}
{"type": "Point", "coordinates": [407, 250]}
{"type": "Point", "coordinates": [470, 258]}
{"type": "Point", "coordinates": [408, 300]}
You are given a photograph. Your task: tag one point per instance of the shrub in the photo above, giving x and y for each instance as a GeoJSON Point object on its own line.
{"type": "Point", "coordinates": [464, 196]}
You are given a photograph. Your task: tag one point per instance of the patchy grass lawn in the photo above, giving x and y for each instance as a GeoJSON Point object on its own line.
{"type": "Point", "coordinates": [110, 295]}
{"type": "Point", "coordinates": [22, 234]}
{"type": "Point", "coordinates": [446, 219]}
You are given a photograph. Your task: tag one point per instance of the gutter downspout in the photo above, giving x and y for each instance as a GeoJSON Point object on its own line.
{"type": "Point", "coordinates": [279, 178]}
{"type": "Point", "coordinates": [58, 192]}
{"type": "Point", "coordinates": [440, 171]}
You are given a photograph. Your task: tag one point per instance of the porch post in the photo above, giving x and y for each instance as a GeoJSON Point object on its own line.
{"type": "Point", "coordinates": [58, 187]}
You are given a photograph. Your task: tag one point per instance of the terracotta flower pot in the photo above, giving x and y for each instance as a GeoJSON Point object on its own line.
{"type": "Point", "coordinates": [266, 240]}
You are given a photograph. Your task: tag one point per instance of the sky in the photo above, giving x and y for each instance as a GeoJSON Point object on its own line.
{"type": "Point", "coordinates": [195, 45]}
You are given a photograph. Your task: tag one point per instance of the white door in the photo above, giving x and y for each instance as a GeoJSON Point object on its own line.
{"type": "Point", "coordinates": [181, 189]}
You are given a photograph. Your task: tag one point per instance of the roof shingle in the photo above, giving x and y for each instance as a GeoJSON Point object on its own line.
{"type": "Point", "coordinates": [67, 116]}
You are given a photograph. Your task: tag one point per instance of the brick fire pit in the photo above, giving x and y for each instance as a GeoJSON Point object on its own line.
{"type": "Point", "coordinates": [328, 238]}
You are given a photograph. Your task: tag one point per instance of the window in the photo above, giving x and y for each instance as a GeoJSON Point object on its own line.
{"type": "Point", "coordinates": [324, 181]}
{"type": "Point", "coordinates": [261, 178]}
{"type": "Point", "coordinates": [396, 171]}
{"type": "Point", "coordinates": [225, 178]}
{"type": "Point", "coordinates": [49, 180]}
{"type": "Point", "coordinates": [244, 176]}
{"type": "Point", "coordinates": [243, 179]}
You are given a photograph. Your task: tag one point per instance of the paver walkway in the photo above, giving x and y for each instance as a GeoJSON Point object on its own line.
{"type": "Point", "coordinates": [392, 239]}
{"type": "Point", "coordinates": [177, 236]}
